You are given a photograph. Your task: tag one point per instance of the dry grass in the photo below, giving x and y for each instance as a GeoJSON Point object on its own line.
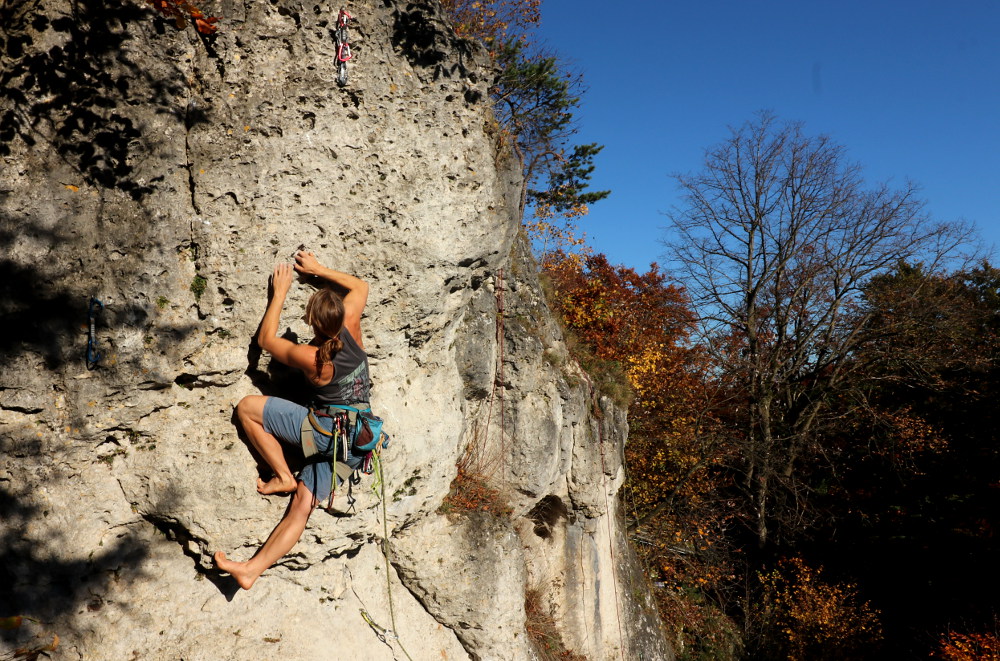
{"type": "Point", "coordinates": [543, 631]}
{"type": "Point", "coordinates": [471, 492]}
{"type": "Point", "coordinates": [475, 487]}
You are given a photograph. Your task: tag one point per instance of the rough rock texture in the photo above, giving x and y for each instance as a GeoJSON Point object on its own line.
{"type": "Point", "coordinates": [165, 173]}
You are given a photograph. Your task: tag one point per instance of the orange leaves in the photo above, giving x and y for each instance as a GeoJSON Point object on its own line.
{"type": "Point", "coordinates": [33, 650]}
{"type": "Point", "coordinates": [182, 10]}
{"type": "Point", "coordinates": [912, 434]}
{"type": "Point", "coordinates": [617, 311]}
{"type": "Point", "coordinates": [955, 646]}
{"type": "Point", "coordinates": [471, 492]}
{"type": "Point", "coordinates": [643, 323]}
{"type": "Point", "coordinates": [904, 439]}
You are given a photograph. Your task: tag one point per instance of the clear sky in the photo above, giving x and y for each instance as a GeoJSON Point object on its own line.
{"type": "Point", "coordinates": [911, 88]}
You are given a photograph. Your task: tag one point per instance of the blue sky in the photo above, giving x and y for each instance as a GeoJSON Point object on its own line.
{"type": "Point", "coordinates": [910, 88]}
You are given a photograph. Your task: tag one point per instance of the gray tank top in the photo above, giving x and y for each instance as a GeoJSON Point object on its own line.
{"type": "Point", "coordinates": [351, 383]}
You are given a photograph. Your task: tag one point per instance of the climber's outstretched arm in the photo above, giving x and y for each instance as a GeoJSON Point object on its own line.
{"type": "Point", "coordinates": [290, 353]}
{"type": "Point", "coordinates": [357, 289]}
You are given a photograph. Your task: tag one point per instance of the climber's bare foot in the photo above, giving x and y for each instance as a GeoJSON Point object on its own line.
{"type": "Point", "coordinates": [277, 484]}
{"type": "Point", "coordinates": [237, 570]}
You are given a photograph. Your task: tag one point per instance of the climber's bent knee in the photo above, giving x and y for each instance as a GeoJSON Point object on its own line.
{"type": "Point", "coordinates": [303, 501]}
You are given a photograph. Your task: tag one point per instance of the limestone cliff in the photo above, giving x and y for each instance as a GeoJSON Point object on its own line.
{"type": "Point", "coordinates": [165, 173]}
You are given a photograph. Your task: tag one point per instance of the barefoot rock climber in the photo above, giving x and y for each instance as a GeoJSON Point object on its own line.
{"type": "Point", "coordinates": [336, 367]}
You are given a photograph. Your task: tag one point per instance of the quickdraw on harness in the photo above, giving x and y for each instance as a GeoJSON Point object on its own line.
{"type": "Point", "coordinates": [343, 48]}
{"type": "Point", "coordinates": [355, 430]}
{"type": "Point", "coordinates": [93, 355]}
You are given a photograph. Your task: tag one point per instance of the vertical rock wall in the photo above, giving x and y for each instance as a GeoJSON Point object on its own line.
{"type": "Point", "coordinates": [165, 173]}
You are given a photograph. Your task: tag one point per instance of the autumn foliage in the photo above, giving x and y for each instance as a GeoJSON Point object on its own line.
{"type": "Point", "coordinates": [909, 457]}
{"type": "Point", "coordinates": [637, 326]}
{"type": "Point", "coordinates": [808, 618]}
{"type": "Point", "coordinates": [827, 399]}
{"type": "Point", "coordinates": [492, 21]}
{"type": "Point", "coordinates": [641, 325]}
{"type": "Point", "coordinates": [976, 646]}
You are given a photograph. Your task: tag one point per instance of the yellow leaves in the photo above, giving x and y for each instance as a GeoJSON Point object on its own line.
{"type": "Point", "coordinates": [813, 614]}
{"type": "Point", "coordinates": [558, 242]}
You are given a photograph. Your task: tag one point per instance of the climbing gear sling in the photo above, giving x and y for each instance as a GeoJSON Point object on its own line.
{"type": "Point", "coordinates": [343, 48]}
{"type": "Point", "coordinates": [93, 355]}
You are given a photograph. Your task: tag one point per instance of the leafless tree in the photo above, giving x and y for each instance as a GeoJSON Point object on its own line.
{"type": "Point", "coordinates": [776, 239]}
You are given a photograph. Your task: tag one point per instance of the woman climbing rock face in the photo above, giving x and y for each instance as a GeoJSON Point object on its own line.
{"type": "Point", "coordinates": [336, 367]}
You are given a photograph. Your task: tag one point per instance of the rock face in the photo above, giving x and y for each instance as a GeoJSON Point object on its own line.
{"type": "Point", "coordinates": [165, 173]}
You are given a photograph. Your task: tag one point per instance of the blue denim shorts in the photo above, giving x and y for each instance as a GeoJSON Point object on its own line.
{"type": "Point", "coordinates": [283, 420]}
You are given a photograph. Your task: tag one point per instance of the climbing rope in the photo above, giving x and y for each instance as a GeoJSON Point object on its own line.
{"type": "Point", "coordinates": [500, 340]}
{"type": "Point", "coordinates": [381, 631]}
{"type": "Point", "coordinates": [93, 355]}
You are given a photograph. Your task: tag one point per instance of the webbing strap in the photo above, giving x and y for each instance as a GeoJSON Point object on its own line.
{"type": "Point", "coordinates": [352, 411]}
{"type": "Point", "coordinates": [358, 407]}
{"type": "Point", "coordinates": [343, 471]}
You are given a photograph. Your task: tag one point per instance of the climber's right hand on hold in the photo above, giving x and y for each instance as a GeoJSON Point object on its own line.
{"type": "Point", "coordinates": [306, 262]}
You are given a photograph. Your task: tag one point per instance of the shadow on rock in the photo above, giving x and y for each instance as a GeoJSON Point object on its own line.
{"type": "Point", "coordinates": [47, 302]}
{"type": "Point", "coordinates": [68, 81]}
{"type": "Point", "coordinates": [47, 579]}
{"type": "Point", "coordinates": [425, 41]}
{"type": "Point", "coordinates": [45, 312]}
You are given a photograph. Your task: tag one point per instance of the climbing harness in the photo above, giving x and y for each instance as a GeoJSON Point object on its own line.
{"type": "Point", "coordinates": [343, 48]}
{"type": "Point", "coordinates": [355, 430]}
{"type": "Point", "coordinates": [93, 355]}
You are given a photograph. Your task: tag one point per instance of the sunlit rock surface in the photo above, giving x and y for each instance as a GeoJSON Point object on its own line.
{"type": "Point", "coordinates": [165, 173]}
